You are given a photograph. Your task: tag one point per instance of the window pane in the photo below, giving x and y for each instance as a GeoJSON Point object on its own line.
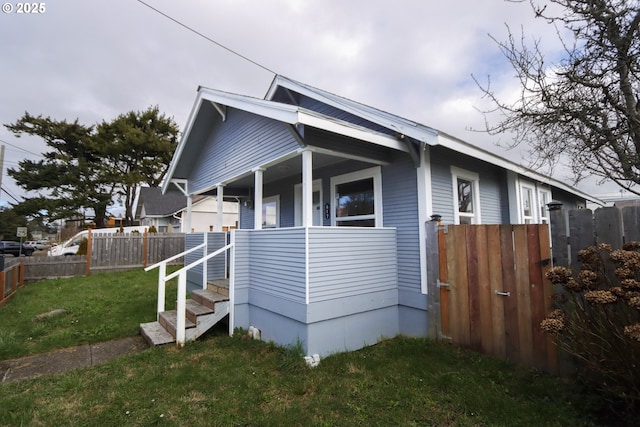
{"type": "Point", "coordinates": [466, 220]}
{"type": "Point", "coordinates": [269, 214]}
{"type": "Point", "coordinates": [526, 202]}
{"type": "Point", "coordinates": [465, 196]}
{"type": "Point", "coordinates": [355, 198]}
{"type": "Point", "coordinates": [544, 199]}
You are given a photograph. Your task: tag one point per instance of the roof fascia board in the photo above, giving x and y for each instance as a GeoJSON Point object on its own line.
{"type": "Point", "coordinates": [478, 153]}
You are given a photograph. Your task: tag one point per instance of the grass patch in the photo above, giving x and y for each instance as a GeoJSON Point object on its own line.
{"type": "Point", "coordinates": [96, 308]}
{"type": "Point", "coordinates": [233, 381]}
{"type": "Point", "coordinates": [221, 380]}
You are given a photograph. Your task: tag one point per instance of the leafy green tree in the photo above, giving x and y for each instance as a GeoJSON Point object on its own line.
{"type": "Point", "coordinates": [585, 107]}
{"type": "Point", "coordinates": [89, 166]}
{"type": "Point", "coordinates": [136, 149]}
{"type": "Point", "coordinates": [70, 176]}
{"type": "Point", "coordinates": [10, 220]}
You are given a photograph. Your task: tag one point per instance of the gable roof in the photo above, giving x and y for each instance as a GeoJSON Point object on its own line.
{"type": "Point", "coordinates": [157, 204]}
{"type": "Point", "coordinates": [295, 114]}
{"type": "Point", "coordinates": [420, 132]}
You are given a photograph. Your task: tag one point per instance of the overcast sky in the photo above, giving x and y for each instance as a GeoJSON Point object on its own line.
{"type": "Point", "coordinates": [94, 59]}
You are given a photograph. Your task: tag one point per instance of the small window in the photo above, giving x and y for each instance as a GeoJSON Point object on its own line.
{"type": "Point", "coordinates": [271, 212]}
{"type": "Point", "coordinates": [545, 198]}
{"type": "Point", "coordinates": [526, 194]}
{"type": "Point", "coordinates": [466, 191]}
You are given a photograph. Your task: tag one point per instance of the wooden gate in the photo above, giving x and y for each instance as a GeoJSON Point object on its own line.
{"type": "Point", "coordinates": [493, 292]}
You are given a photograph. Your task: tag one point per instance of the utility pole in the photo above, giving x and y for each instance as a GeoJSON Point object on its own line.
{"type": "Point", "coordinates": [1, 167]}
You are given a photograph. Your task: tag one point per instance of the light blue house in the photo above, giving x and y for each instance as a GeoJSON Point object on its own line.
{"type": "Point", "coordinates": [335, 196]}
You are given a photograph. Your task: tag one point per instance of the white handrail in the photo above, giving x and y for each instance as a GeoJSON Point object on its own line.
{"type": "Point", "coordinates": [194, 263]}
{"type": "Point", "coordinates": [163, 278]}
{"type": "Point", "coordinates": [165, 261]}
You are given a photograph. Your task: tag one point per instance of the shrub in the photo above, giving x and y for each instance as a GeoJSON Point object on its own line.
{"type": "Point", "coordinates": [82, 249]}
{"type": "Point", "coordinates": [597, 319]}
{"type": "Point", "coordinates": [152, 229]}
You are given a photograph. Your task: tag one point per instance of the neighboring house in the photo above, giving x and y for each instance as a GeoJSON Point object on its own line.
{"type": "Point", "coordinates": [204, 218]}
{"type": "Point", "coordinates": [167, 212]}
{"type": "Point", "coordinates": [158, 210]}
{"type": "Point", "coordinates": [334, 197]}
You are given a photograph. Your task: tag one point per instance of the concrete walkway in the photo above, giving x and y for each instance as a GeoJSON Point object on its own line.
{"type": "Point", "coordinates": [67, 359]}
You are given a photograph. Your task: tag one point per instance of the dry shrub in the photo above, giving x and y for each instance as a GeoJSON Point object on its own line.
{"type": "Point", "coordinates": [597, 319]}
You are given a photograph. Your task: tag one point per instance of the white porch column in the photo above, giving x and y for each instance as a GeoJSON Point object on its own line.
{"type": "Point", "coordinates": [307, 188]}
{"type": "Point", "coordinates": [257, 202]}
{"type": "Point", "coordinates": [187, 223]}
{"type": "Point", "coordinates": [219, 207]}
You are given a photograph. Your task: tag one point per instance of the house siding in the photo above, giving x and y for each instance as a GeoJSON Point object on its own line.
{"type": "Point", "coordinates": [352, 280]}
{"type": "Point", "coordinates": [243, 142]}
{"type": "Point", "coordinates": [216, 266]}
{"type": "Point", "coordinates": [494, 204]}
{"type": "Point", "coordinates": [400, 198]}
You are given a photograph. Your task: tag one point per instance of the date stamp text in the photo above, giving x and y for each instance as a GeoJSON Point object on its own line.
{"type": "Point", "coordinates": [24, 8]}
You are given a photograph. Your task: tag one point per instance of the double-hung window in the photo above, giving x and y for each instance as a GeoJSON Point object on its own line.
{"type": "Point", "coordinates": [271, 212]}
{"type": "Point", "coordinates": [357, 199]}
{"type": "Point", "coordinates": [466, 191]}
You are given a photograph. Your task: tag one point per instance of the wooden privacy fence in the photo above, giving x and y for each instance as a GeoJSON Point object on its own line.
{"type": "Point", "coordinates": [11, 279]}
{"type": "Point", "coordinates": [493, 293]}
{"type": "Point", "coordinates": [107, 252]}
{"type": "Point", "coordinates": [577, 229]}
{"type": "Point", "coordinates": [131, 250]}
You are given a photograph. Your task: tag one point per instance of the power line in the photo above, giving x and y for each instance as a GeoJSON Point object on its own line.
{"type": "Point", "coordinates": [20, 148]}
{"type": "Point", "coordinates": [207, 38]}
{"type": "Point", "coordinates": [10, 195]}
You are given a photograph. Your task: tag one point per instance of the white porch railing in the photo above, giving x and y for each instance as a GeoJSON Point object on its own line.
{"type": "Point", "coordinates": [163, 278]}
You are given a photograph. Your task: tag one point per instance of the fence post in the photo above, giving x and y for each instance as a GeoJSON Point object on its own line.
{"type": "Point", "coordinates": [559, 239]}
{"type": "Point", "coordinates": [433, 298]}
{"type": "Point", "coordinates": [87, 270]}
{"type": "Point", "coordinates": [145, 248]}
{"type": "Point", "coordinates": [3, 277]}
{"type": "Point", "coordinates": [21, 274]}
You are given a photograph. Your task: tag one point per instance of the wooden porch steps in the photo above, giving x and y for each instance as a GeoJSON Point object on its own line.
{"type": "Point", "coordinates": [203, 311]}
{"type": "Point", "coordinates": [220, 286]}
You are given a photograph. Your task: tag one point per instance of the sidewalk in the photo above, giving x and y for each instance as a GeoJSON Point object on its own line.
{"type": "Point", "coordinates": [64, 360]}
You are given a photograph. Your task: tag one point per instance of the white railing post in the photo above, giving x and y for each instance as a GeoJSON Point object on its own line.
{"type": "Point", "coordinates": [205, 274]}
{"type": "Point", "coordinates": [162, 272]}
{"type": "Point", "coordinates": [232, 282]}
{"type": "Point", "coordinates": [181, 308]}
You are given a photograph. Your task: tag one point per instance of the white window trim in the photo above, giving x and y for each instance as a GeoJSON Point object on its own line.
{"type": "Point", "coordinates": [475, 179]}
{"type": "Point", "coordinates": [297, 201]}
{"type": "Point", "coordinates": [271, 199]}
{"type": "Point", "coordinates": [376, 174]}
{"type": "Point", "coordinates": [544, 219]}
{"type": "Point", "coordinates": [533, 218]}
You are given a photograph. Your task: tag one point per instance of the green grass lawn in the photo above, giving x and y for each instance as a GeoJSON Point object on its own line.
{"type": "Point", "coordinates": [96, 308]}
{"type": "Point", "coordinates": [222, 380]}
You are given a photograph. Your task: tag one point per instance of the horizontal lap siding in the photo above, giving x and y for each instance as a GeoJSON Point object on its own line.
{"type": "Point", "coordinates": [494, 204]}
{"type": "Point", "coordinates": [351, 261]}
{"type": "Point", "coordinates": [400, 198]}
{"type": "Point", "coordinates": [244, 141]}
{"type": "Point", "coordinates": [277, 263]}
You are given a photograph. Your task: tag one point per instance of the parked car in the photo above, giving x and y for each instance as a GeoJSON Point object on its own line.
{"type": "Point", "coordinates": [13, 248]}
{"type": "Point", "coordinates": [40, 245]}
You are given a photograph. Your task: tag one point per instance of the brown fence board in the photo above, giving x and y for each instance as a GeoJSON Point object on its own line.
{"type": "Point", "coordinates": [608, 226]}
{"type": "Point", "coordinates": [473, 288]}
{"type": "Point", "coordinates": [523, 294]}
{"type": "Point", "coordinates": [444, 290]}
{"type": "Point", "coordinates": [495, 285]}
{"type": "Point", "coordinates": [537, 302]}
{"type": "Point", "coordinates": [484, 291]}
{"type": "Point", "coordinates": [498, 294]}
{"type": "Point", "coordinates": [510, 304]}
